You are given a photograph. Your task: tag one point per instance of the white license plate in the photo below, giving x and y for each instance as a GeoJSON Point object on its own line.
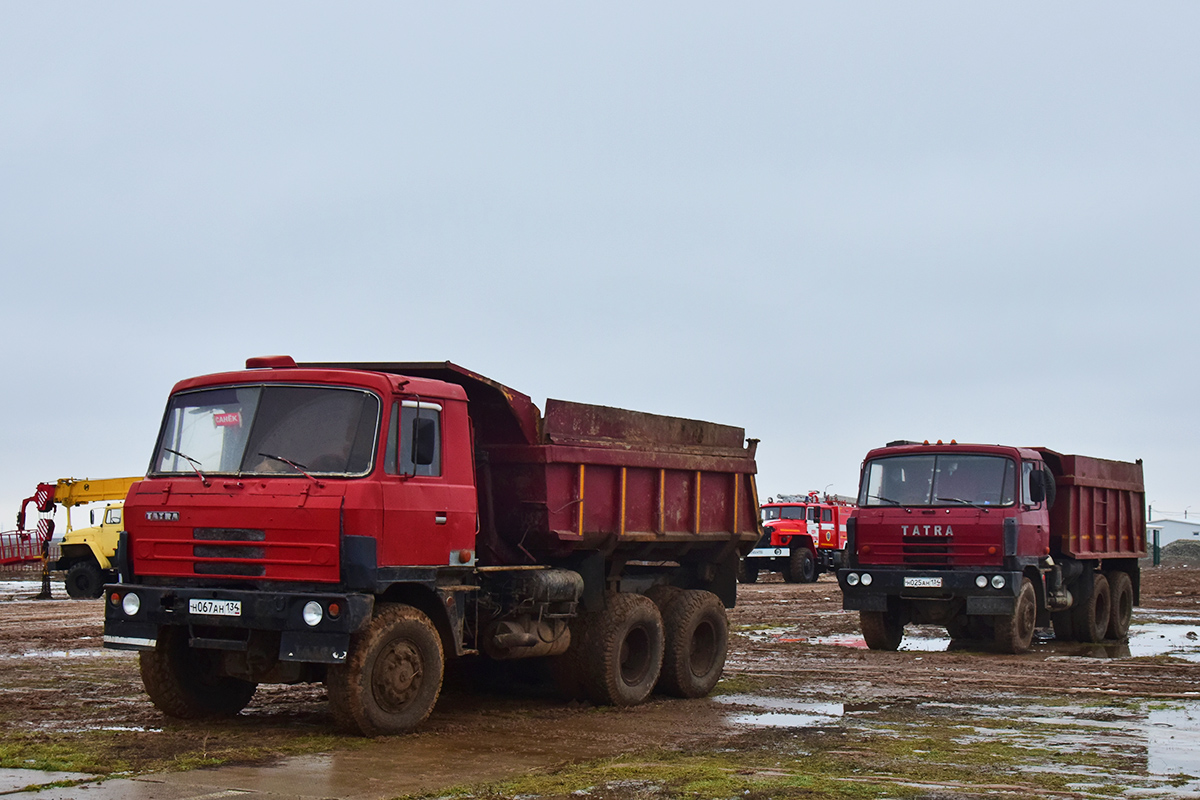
{"type": "Point", "coordinates": [927, 583]}
{"type": "Point", "coordinates": [215, 608]}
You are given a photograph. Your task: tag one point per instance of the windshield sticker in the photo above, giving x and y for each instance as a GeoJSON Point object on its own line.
{"type": "Point", "coordinates": [231, 419]}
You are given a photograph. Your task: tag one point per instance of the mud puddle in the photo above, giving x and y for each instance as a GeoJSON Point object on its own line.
{"type": "Point", "coordinates": [1169, 634]}
{"type": "Point", "coordinates": [1148, 749]}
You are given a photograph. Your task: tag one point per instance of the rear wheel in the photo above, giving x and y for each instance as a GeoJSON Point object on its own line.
{"type": "Point", "coordinates": [392, 677]}
{"type": "Point", "coordinates": [881, 630]}
{"type": "Point", "coordinates": [84, 580]}
{"type": "Point", "coordinates": [697, 638]}
{"type": "Point", "coordinates": [622, 650]}
{"type": "Point", "coordinates": [1090, 617]}
{"type": "Point", "coordinates": [1120, 589]}
{"type": "Point", "coordinates": [183, 681]}
{"type": "Point", "coordinates": [1014, 632]}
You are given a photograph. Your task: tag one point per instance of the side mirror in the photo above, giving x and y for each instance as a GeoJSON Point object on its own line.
{"type": "Point", "coordinates": [1037, 486]}
{"type": "Point", "coordinates": [92, 516]}
{"type": "Point", "coordinates": [424, 441]}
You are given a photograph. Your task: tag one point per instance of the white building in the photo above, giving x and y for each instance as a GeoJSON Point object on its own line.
{"type": "Point", "coordinates": [1171, 530]}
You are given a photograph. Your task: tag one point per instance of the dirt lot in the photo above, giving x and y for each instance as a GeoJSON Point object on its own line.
{"type": "Point", "coordinates": [803, 711]}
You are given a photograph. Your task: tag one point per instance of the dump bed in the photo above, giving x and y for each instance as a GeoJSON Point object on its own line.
{"type": "Point", "coordinates": [1100, 508]}
{"type": "Point", "coordinates": [585, 477]}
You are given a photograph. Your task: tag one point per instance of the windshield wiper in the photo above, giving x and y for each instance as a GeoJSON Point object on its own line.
{"type": "Point", "coordinates": [964, 502]}
{"type": "Point", "coordinates": [301, 468]}
{"type": "Point", "coordinates": [193, 462]}
{"type": "Point", "coordinates": [884, 499]}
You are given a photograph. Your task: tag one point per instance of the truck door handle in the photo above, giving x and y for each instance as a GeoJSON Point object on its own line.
{"type": "Point", "coordinates": [440, 519]}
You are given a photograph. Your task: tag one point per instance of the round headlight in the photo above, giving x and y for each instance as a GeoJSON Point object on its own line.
{"type": "Point", "coordinates": [866, 579]}
{"type": "Point", "coordinates": [131, 604]}
{"type": "Point", "coordinates": [313, 613]}
{"type": "Point", "coordinates": [997, 581]}
{"type": "Point", "coordinates": [852, 579]}
{"type": "Point", "coordinates": [981, 581]}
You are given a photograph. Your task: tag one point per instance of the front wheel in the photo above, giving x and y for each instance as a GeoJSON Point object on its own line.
{"type": "Point", "coordinates": [747, 572]}
{"type": "Point", "coordinates": [622, 653]}
{"type": "Point", "coordinates": [183, 682]}
{"type": "Point", "coordinates": [697, 638]}
{"type": "Point", "coordinates": [83, 580]}
{"type": "Point", "coordinates": [1014, 632]}
{"type": "Point", "coordinates": [392, 677]}
{"type": "Point", "coordinates": [881, 630]}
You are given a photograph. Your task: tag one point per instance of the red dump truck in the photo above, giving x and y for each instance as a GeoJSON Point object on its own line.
{"type": "Point", "coordinates": [359, 524]}
{"type": "Point", "coordinates": [993, 541]}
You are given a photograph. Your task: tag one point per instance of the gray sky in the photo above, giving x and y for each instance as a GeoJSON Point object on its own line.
{"type": "Point", "coordinates": [833, 224]}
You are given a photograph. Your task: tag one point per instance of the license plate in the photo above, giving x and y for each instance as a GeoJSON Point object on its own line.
{"type": "Point", "coordinates": [215, 608]}
{"type": "Point", "coordinates": [923, 583]}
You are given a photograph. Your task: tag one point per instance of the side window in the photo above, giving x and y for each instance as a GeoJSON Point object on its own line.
{"type": "Point", "coordinates": [113, 517]}
{"type": "Point", "coordinates": [420, 432]}
{"type": "Point", "coordinates": [812, 513]}
{"type": "Point", "coordinates": [1026, 471]}
{"type": "Point", "coordinates": [826, 515]}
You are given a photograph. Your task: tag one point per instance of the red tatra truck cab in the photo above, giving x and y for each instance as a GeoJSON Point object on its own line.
{"type": "Point", "coordinates": [803, 536]}
{"type": "Point", "coordinates": [359, 524]}
{"type": "Point", "coordinates": [993, 541]}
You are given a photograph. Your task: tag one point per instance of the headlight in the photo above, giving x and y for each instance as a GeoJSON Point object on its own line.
{"type": "Point", "coordinates": [131, 604]}
{"type": "Point", "coordinates": [997, 581]}
{"type": "Point", "coordinates": [852, 579]}
{"type": "Point", "coordinates": [981, 581]}
{"type": "Point", "coordinates": [866, 579]}
{"type": "Point", "coordinates": [313, 613]}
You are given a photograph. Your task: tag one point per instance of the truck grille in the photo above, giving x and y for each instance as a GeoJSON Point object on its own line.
{"type": "Point", "coordinates": [930, 551]}
{"type": "Point", "coordinates": [236, 543]}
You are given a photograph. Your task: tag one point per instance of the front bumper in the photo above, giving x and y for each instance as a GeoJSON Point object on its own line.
{"type": "Point", "coordinates": [889, 582]}
{"type": "Point", "coordinates": [326, 642]}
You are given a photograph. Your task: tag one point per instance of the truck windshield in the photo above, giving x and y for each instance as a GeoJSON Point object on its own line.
{"type": "Point", "coordinates": [782, 512]}
{"type": "Point", "coordinates": [939, 480]}
{"type": "Point", "coordinates": [258, 429]}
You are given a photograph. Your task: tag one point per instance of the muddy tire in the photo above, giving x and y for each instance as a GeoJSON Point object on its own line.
{"type": "Point", "coordinates": [183, 682]}
{"type": "Point", "coordinates": [84, 580]}
{"type": "Point", "coordinates": [801, 566]}
{"type": "Point", "coordinates": [1014, 632]}
{"type": "Point", "coordinates": [622, 651]}
{"type": "Point", "coordinates": [1120, 589]}
{"type": "Point", "coordinates": [1091, 613]}
{"type": "Point", "coordinates": [881, 630]}
{"type": "Point", "coordinates": [392, 676]}
{"type": "Point", "coordinates": [1064, 627]}
{"type": "Point", "coordinates": [697, 639]}
{"type": "Point", "coordinates": [747, 572]}
{"type": "Point", "coordinates": [663, 595]}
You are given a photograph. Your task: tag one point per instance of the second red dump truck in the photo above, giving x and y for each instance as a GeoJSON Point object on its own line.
{"type": "Point", "coordinates": [358, 524]}
{"type": "Point", "coordinates": [993, 541]}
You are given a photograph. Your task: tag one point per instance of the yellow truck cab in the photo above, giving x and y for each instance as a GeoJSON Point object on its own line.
{"type": "Point", "coordinates": [88, 554]}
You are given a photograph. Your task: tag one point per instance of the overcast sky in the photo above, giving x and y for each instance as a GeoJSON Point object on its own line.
{"type": "Point", "coordinates": [831, 224]}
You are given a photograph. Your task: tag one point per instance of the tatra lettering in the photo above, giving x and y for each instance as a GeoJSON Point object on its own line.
{"type": "Point", "coordinates": [926, 530]}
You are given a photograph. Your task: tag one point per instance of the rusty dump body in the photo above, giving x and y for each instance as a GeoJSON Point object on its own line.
{"type": "Point", "coordinates": [1100, 508]}
{"type": "Point", "coordinates": [593, 478]}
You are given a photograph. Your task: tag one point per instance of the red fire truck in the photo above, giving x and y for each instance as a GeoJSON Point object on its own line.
{"type": "Point", "coordinates": [803, 536]}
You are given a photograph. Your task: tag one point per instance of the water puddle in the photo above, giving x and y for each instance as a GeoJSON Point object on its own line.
{"type": "Point", "coordinates": [1150, 748]}
{"type": "Point", "coordinates": [781, 712]}
{"type": "Point", "coordinates": [1176, 634]}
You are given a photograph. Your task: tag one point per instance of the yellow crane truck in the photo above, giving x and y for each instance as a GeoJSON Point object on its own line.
{"type": "Point", "coordinates": [88, 554]}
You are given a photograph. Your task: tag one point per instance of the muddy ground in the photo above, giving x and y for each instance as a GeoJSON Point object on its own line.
{"type": "Point", "coordinates": [803, 711]}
